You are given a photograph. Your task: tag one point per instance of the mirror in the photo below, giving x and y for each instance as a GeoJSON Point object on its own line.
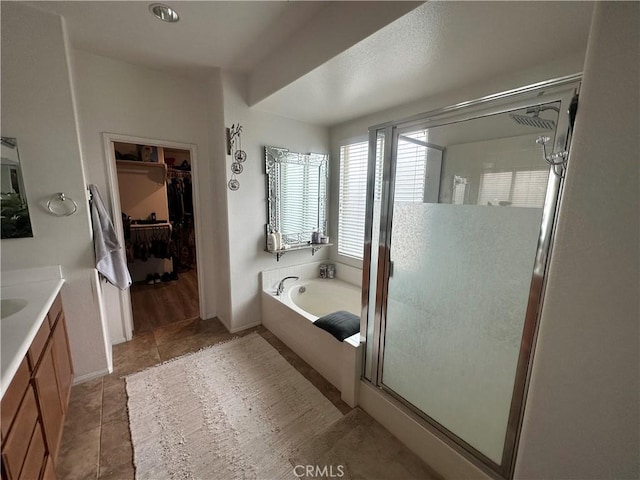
{"type": "Point", "coordinates": [297, 194]}
{"type": "Point", "coordinates": [13, 199]}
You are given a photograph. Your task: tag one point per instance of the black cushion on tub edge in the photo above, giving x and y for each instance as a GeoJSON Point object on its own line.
{"type": "Point", "coordinates": [340, 324]}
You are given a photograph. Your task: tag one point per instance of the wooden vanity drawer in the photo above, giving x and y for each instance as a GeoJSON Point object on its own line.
{"type": "Point", "coordinates": [15, 448]}
{"type": "Point", "coordinates": [37, 347]}
{"type": "Point", "coordinates": [13, 397]}
{"type": "Point", "coordinates": [55, 311]}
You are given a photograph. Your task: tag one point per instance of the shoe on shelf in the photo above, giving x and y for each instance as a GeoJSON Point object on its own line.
{"type": "Point", "coordinates": [150, 280]}
{"type": "Point", "coordinates": [165, 277]}
{"type": "Point", "coordinates": [156, 278]}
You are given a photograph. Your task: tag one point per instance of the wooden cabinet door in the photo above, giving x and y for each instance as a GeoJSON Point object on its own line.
{"type": "Point", "coordinates": [16, 444]}
{"type": "Point", "coordinates": [13, 397]}
{"type": "Point", "coordinates": [64, 368]}
{"type": "Point", "coordinates": [49, 399]}
{"type": "Point", "coordinates": [35, 459]}
{"type": "Point", "coordinates": [49, 470]}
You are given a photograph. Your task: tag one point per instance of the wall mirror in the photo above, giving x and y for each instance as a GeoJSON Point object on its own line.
{"type": "Point", "coordinates": [13, 199]}
{"type": "Point", "coordinates": [297, 194]}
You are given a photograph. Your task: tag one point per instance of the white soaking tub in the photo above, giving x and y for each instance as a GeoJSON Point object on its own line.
{"type": "Point", "coordinates": [290, 317]}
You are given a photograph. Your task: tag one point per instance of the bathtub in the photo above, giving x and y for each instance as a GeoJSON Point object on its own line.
{"type": "Point", "coordinates": [290, 317]}
{"type": "Point", "coordinates": [318, 297]}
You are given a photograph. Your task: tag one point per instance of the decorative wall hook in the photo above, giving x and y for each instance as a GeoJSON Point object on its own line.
{"type": "Point", "coordinates": [239, 156]}
{"type": "Point", "coordinates": [233, 134]}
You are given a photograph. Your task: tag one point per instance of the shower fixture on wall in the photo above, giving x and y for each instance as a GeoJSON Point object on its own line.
{"type": "Point", "coordinates": [557, 160]}
{"type": "Point", "coordinates": [535, 120]}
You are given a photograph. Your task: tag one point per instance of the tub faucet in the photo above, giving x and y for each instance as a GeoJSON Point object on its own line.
{"type": "Point", "coordinates": [280, 288]}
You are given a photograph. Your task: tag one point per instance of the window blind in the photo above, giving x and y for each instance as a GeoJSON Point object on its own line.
{"type": "Point", "coordinates": [299, 192]}
{"type": "Point", "coordinates": [352, 198]}
{"type": "Point", "coordinates": [521, 188]}
{"type": "Point", "coordinates": [409, 187]}
{"type": "Point", "coordinates": [411, 163]}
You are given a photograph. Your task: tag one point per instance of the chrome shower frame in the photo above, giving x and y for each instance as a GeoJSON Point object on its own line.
{"type": "Point", "coordinates": [560, 90]}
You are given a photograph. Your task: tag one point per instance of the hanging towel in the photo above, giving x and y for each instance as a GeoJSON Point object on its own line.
{"type": "Point", "coordinates": [110, 259]}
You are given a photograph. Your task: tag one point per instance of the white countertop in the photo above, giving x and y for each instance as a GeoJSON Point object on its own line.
{"type": "Point", "coordinates": [18, 330]}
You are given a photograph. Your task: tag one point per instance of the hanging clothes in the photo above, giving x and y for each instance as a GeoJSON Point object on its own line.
{"type": "Point", "coordinates": [180, 202]}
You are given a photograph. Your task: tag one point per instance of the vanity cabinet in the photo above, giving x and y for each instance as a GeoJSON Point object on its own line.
{"type": "Point", "coordinates": [34, 406]}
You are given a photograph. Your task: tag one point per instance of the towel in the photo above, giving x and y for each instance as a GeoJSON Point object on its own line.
{"type": "Point", "coordinates": [110, 259]}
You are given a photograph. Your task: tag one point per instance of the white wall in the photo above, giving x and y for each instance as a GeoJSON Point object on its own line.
{"type": "Point", "coordinates": [117, 97]}
{"type": "Point", "coordinates": [38, 109]}
{"type": "Point", "coordinates": [218, 170]}
{"type": "Point", "coordinates": [581, 418]}
{"type": "Point", "coordinates": [247, 207]}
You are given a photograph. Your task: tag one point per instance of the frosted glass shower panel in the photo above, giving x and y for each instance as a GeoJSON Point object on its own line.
{"type": "Point", "coordinates": [456, 309]}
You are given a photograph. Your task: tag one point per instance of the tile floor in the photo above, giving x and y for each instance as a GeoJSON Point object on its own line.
{"type": "Point", "coordinates": [96, 440]}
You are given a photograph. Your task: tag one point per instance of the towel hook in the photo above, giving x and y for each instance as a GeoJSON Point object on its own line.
{"type": "Point", "coordinates": [61, 197]}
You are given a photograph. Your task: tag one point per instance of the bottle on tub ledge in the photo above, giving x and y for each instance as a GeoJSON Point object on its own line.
{"type": "Point", "coordinates": [327, 270]}
{"type": "Point", "coordinates": [331, 270]}
{"type": "Point", "coordinates": [272, 242]}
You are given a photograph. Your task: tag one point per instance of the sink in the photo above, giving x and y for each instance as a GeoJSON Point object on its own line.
{"type": "Point", "coordinates": [9, 306]}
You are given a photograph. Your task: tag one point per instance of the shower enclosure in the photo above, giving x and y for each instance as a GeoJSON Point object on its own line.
{"type": "Point", "coordinates": [460, 213]}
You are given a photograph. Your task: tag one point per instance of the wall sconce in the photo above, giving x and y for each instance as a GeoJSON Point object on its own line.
{"type": "Point", "coordinates": [239, 156]}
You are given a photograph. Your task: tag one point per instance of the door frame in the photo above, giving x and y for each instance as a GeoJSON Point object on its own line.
{"type": "Point", "coordinates": [126, 312]}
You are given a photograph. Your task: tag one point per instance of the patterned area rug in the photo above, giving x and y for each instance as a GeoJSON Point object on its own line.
{"type": "Point", "coordinates": [235, 411]}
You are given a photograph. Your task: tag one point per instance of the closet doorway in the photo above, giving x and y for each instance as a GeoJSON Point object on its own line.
{"type": "Point", "coordinates": [156, 209]}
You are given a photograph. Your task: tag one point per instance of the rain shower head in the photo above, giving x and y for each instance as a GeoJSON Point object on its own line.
{"type": "Point", "coordinates": [533, 121]}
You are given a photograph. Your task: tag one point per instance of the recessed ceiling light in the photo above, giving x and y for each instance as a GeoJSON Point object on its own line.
{"type": "Point", "coordinates": [164, 13]}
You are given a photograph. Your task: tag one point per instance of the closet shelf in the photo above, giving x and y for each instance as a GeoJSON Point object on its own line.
{"type": "Point", "coordinates": [143, 166]}
{"type": "Point", "coordinates": [158, 225]}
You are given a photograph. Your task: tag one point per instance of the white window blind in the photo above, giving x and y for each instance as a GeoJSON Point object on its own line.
{"type": "Point", "coordinates": [411, 163]}
{"type": "Point", "coordinates": [299, 194]}
{"type": "Point", "coordinates": [409, 187]}
{"type": "Point", "coordinates": [352, 198]}
{"type": "Point", "coordinates": [521, 188]}
{"type": "Point", "coordinates": [530, 188]}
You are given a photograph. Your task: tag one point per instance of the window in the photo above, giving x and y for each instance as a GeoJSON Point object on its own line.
{"type": "Point", "coordinates": [411, 183]}
{"type": "Point", "coordinates": [299, 193]}
{"type": "Point", "coordinates": [353, 198]}
{"type": "Point", "coordinates": [520, 188]}
{"type": "Point", "coordinates": [411, 165]}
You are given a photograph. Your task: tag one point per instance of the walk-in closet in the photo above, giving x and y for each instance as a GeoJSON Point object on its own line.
{"type": "Point", "coordinates": [156, 200]}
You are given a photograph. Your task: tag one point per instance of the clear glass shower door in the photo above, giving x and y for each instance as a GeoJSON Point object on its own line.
{"type": "Point", "coordinates": [465, 220]}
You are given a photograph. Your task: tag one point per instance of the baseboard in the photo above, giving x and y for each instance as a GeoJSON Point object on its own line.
{"type": "Point", "coordinates": [209, 316]}
{"type": "Point", "coordinates": [243, 327]}
{"type": "Point", "coordinates": [90, 376]}
{"type": "Point", "coordinates": [118, 340]}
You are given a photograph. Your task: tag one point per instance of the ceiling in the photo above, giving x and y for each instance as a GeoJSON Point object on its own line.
{"type": "Point", "coordinates": [232, 35]}
{"type": "Point", "coordinates": [436, 47]}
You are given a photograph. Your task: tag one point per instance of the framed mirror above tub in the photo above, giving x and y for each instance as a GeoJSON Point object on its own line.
{"type": "Point", "coordinates": [16, 222]}
{"type": "Point", "coordinates": [296, 199]}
